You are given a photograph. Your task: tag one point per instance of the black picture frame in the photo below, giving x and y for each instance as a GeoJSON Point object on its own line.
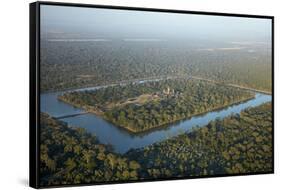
{"type": "Point", "coordinates": [34, 87]}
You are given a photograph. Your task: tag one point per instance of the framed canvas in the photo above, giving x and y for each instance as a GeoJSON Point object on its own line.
{"type": "Point", "coordinates": [125, 94]}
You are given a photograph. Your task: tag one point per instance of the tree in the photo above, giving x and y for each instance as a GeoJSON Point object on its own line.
{"type": "Point", "coordinates": [70, 164]}
{"type": "Point", "coordinates": [134, 165]}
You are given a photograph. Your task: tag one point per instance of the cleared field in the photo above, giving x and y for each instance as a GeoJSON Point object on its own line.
{"type": "Point", "coordinates": [140, 100]}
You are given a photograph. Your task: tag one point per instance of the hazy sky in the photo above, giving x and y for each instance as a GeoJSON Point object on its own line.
{"type": "Point", "coordinates": [109, 23]}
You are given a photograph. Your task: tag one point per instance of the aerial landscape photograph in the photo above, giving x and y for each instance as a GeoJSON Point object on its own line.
{"type": "Point", "coordinates": [131, 95]}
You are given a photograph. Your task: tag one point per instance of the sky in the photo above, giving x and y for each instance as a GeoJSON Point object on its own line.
{"type": "Point", "coordinates": [127, 24]}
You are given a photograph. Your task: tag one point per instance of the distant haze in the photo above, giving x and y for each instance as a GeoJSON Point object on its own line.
{"type": "Point", "coordinates": [108, 24]}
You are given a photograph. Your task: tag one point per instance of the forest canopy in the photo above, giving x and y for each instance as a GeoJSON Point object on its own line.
{"type": "Point", "coordinates": [83, 64]}
{"type": "Point", "coordinates": [72, 156]}
{"type": "Point", "coordinates": [142, 106]}
{"type": "Point", "coordinates": [238, 144]}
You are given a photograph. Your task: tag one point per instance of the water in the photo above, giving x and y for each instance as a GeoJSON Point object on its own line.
{"type": "Point", "coordinates": [122, 140]}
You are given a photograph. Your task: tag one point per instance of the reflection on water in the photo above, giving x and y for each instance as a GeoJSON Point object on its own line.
{"type": "Point", "coordinates": [122, 140]}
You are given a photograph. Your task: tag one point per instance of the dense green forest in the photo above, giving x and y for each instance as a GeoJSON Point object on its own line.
{"type": "Point", "coordinates": [140, 107]}
{"type": "Point", "coordinates": [71, 156]}
{"type": "Point", "coordinates": [82, 64]}
{"type": "Point", "coordinates": [237, 144]}
{"type": "Point", "coordinates": [149, 95]}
